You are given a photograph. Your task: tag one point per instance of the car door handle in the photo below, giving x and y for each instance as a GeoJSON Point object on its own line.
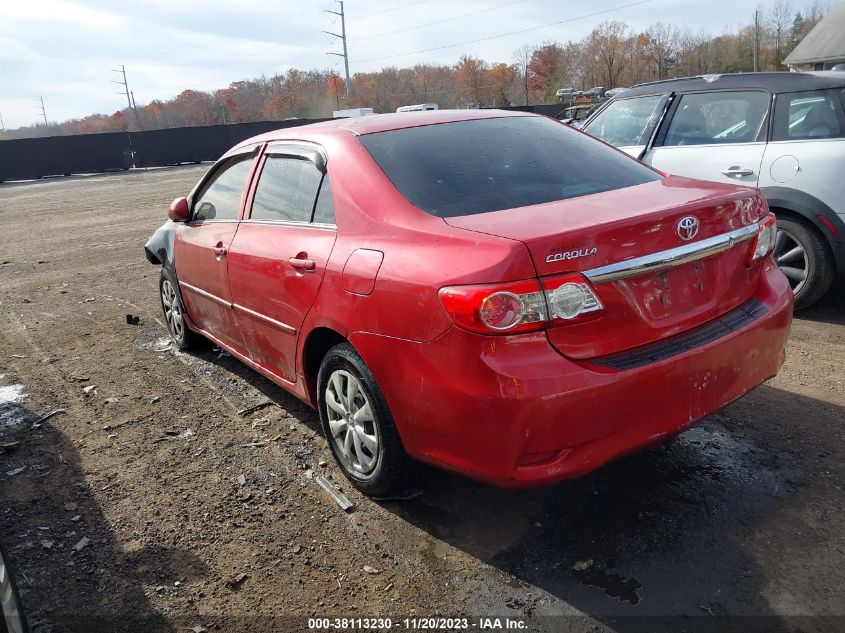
{"type": "Point", "coordinates": [738, 171]}
{"type": "Point", "coordinates": [302, 263]}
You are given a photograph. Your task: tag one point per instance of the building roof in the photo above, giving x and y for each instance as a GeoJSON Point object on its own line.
{"type": "Point", "coordinates": [774, 82]}
{"type": "Point", "coordinates": [825, 43]}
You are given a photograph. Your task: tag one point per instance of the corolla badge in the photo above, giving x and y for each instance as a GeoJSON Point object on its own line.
{"type": "Point", "coordinates": [572, 254]}
{"type": "Point", "coordinates": [687, 227]}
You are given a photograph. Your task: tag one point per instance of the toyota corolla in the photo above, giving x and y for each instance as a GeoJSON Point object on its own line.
{"type": "Point", "coordinates": [494, 293]}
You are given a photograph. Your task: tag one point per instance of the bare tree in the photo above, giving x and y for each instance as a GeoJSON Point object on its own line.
{"type": "Point", "coordinates": [779, 20]}
{"type": "Point", "coordinates": [522, 59]}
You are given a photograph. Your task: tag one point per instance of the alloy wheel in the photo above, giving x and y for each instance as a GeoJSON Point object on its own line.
{"type": "Point", "coordinates": [353, 426]}
{"type": "Point", "coordinates": [791, 258]}
{"type": "Point", "coordinates": [172, 310]}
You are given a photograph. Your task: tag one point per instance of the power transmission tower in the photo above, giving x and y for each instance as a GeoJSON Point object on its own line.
{"type": "Point", "coordinates": [342, 38]}
{"type": "Point", "coordinates": [43, 112]}
{"type": "Point", "coordinates": [129, 100]}
{"type": "Point", "coordinates": [2, 126]}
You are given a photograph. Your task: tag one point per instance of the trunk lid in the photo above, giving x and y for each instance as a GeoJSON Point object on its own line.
{"type": "Point", "coordinates": [591, 232]}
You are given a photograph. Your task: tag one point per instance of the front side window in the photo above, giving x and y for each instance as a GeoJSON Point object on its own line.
{"type": "Point", "coordinates": [624, 123]}
{"type": "Point", "coordinates": [809, 115]}
{"type": "Point", "coordinates": [479, 165]}
{"type": "Point", "coordinates": [220, 197]}
{"type": "Point", "coordinates": [717, 118]}
{"type": "Point", "coordinates": [287, 190]}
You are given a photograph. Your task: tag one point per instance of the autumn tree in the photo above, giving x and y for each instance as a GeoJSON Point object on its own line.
{"type": "Point", "coordinates": [470, 74]}
{"type": "Point", "coordinates": [610, 47]}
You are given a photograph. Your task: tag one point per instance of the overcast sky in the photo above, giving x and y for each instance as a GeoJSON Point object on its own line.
{"type": "Point", "coordinates": [64, 50]}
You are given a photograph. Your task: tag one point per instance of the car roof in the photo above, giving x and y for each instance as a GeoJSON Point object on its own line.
{"type": "Point", "coordinates": [773, 81]}
{"type": "Point", "coordinates": [380, 123]}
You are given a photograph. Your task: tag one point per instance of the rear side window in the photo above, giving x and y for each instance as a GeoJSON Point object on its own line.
{"type": "Point", "coordinates": [324, 209]}
{"type": "Point", "coordinates": [717, 118]}
{"type": "Point", "coordinates": [809, 115]}
{"type": "Point", "coordinates": [626, 122]}
{"type": "Point", "coordinates": [220, 197]}
{"type": "Point", "coordinates": [286, 190]}
{"type": "Point", "coordinates": [468, 167]}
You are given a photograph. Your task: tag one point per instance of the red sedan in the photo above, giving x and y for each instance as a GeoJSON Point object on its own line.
{"type": "Point", "coordinates": [493, 293]}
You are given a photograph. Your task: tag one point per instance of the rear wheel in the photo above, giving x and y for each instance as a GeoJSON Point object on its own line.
{"type": "Point", "coordinates": [805, 259]}
{"type": "Point", "coordinates": [357, 423]}
{"type": "Point", "coordinates": [174, 314]}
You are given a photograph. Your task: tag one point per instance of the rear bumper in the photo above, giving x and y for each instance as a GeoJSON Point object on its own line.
{"type": "Point", "coordinates": [514, 412]}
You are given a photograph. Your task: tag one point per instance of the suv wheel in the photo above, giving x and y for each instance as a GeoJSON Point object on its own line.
{"type": "Point", "coordinates": [805, 259]}
{"type": "Point", "coordinates": [357, 423]}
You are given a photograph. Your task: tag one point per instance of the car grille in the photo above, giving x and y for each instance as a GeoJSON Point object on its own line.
{"type": "Point", "coordinates": [724, 325]}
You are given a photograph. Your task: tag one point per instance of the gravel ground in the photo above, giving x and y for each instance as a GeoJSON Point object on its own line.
{"type": "Point", "coordinates": [149, 503]}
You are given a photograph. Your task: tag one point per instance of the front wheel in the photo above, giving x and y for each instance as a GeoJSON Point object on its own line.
{"type": "Point", "coordinates": [174, 314]}
{"type": "Point", "coordinates": [357, 423]}
{"type": "Point", "coordinates": [805, 259]}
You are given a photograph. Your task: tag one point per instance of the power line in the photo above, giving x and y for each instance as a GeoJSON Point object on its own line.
{"type": "Point", "coordinates": [508, 34]}
{"type": "Point", "coordinates": [420, 26]}
{"type": "Point", "coordinates": [401, 6]}
{"type": "Point", "coordinates": [342, 37]}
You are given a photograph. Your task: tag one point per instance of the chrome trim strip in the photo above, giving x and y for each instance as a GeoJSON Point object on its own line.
{"type": "Point", "coordinates": [284, 327]}
{"type": "Point", "coordinates": [205, 294]}
{"type": "Point", "coordinates": [672, 257]}
{"type": "Point", "coordinates": [310, 225]}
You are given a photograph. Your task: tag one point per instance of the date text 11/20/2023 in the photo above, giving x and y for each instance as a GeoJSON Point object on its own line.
{"type": "Point", "coordinates": [417, 624]}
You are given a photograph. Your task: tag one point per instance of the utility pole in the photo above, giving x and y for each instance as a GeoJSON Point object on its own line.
{"type": "Point", "coordinates": [43, 111]}
{"type": "Point", "coordinates": [342, 38]}
{"type": "Point", "coordinates": [756, 39]}
{"type": "Point", "coordinates": [130, 101]}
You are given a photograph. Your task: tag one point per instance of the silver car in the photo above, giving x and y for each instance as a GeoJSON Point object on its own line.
{"type": "Point", "coordinates": [781, 132]}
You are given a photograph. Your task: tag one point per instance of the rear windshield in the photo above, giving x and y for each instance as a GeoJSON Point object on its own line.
{"type": "Point", "coordinates": [468, 167]}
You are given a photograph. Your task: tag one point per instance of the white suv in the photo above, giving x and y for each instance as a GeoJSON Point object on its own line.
{"type": "Point", "coordinates": [781, 132]}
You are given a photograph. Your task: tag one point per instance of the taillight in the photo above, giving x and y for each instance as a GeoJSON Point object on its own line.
{"type": "Point", "coordinates": [496, 308]}
{"type": "Point", "coordinates": [521, 306]}
{"type": "Point", "coordinates": [766, 235]}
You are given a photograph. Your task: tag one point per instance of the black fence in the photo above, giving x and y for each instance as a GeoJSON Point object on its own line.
{"type": "Point", "coordinates": [30, 158]}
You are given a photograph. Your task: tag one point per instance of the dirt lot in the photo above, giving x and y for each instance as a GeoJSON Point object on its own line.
{"type": "Point", "coordinates": [140, 506]}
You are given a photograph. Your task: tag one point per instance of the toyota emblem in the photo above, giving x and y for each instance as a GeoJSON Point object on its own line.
{"type": "Point", "coordinates": [687, 228]}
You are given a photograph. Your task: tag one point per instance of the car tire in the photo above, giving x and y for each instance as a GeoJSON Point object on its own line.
{"type": "Point", "coordinates": [364, 442]}
{"type": "Point", "coordinates": [800, 250]}
{"type": "Point", "coordinates": [12, 617]}
{"type": "Point", "coordinates": [174, 313]}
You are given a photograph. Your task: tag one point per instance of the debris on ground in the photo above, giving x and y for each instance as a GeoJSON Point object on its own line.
{"type": "Point", "coordinates": [583, 565]}
{"type": "Point", "coordinates": [370, 570]}
{"type": "Point", "coordinates": [132, 319]}
{"type": "Point", "coordinates": [82, 544]}
{"type": "Point", "coordinates": [236, 581]}
{"type": "Point", "coordinates": [344, 503]}
{"type": "Point", "coordinates": [16, 471]}
{"type": "Point", "coordinates": [47, 416]}
{"type": "Point", "coordinates": [242, 480]}
{"type": "Point", "coordinates": [255, 407]}
{"type": "Point", "coordinates": [89, 389]}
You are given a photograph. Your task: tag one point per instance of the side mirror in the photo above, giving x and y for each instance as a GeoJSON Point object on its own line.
{"type": "Point", "coordinates": [179, 211]}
